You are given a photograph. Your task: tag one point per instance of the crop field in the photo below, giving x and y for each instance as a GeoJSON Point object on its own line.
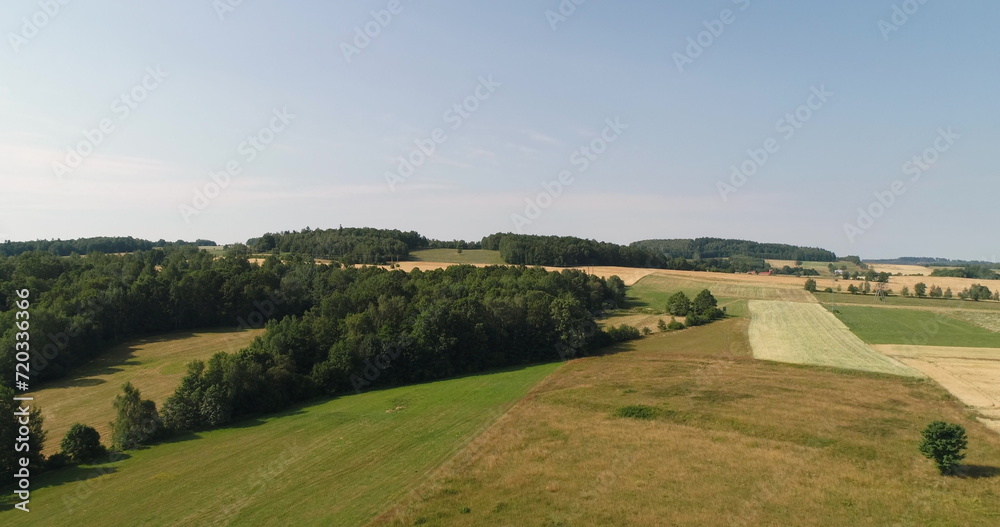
{"type": "Point", "coordinates": [971, 374]}
{"type": "Point", "coordinates": [908, 326]}
{"type": "Point", "coordinates": [801, 333]}
{"type": "Point", "coordinates": [154, 365]}
{"type": "Point", "coordinates": [727, 441]}
{"type": "Point", "coordinates": [335, 463]}
{"type": "Point", "coordinates": [467, 256]}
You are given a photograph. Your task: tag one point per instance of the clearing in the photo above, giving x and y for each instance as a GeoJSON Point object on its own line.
{"type": "Point", "coordinates": [809, 334]}
{"type": "Point", "coordinates": [154, 365]}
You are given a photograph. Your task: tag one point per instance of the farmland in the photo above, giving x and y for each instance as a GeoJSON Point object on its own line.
{"type": "Point", "coordinates": [968, 373]}
{"type": "Point", "coordinates": [154, 365]}
{"type": "Point", "coordinates": [350, 458]}
{"type": "Point", "coordinates": [732, 441]}
{"type": "Point", "coordinates": [906, 326]}
{"type": "Point", "coordinates": [808, 334]}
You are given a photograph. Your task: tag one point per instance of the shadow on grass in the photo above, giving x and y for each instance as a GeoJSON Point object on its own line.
{"type": "Point", "coordinates": [62, 476]}
{"type": "Point", "coordinates": [977, 472]}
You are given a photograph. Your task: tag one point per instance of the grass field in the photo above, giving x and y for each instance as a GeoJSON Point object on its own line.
{"type": "Point", "coordinates": [467, 256]}
{"type": "Point", "coordinates": [908, 326]}
{"type": "Point", "coordinates": [154, 365]}
{"type": "Point", "coordinates": [808, 334]}
{"type": "Point", "coordinates": [923, 303]}
{"type": "Point", "coordinates": [731, 441]}
{"type": "Point", "coordinates": [335, 463]}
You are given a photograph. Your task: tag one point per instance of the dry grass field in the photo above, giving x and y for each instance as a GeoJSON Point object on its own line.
{"type": "Point", "coordinates": [154, 365]}
{"type": "Point", "coordinates": [731, 441]}
{"type": "Point", "coordinates": [801, 333]}
{"type": "Point", "coordinates": [971, 374]}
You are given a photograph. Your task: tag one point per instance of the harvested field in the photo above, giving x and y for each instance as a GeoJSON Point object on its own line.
{"type": "Point", "coordinates": [802, 333]}
{"type": "Point", "coordinates": [985, 320]}
{"type": "Point", "coordinates": [970, 374]}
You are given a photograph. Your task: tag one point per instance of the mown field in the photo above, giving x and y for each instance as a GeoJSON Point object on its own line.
{"type": "Point", "coordinates": [154, 365]}
{"type": "Point", "coordinates": [908, 326]}
{"type": "Point", "coordinates": [336, 463]}
{"type": "Point", "coordinates": [467, 256]}
{"type": "Point", "coordinates": [653, 291]}
{"type": "Point", "coordinates": [808, 334]}
{"type": "Point", "coordinates": [732, 441]}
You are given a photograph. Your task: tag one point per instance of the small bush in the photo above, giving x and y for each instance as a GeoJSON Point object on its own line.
{"type": "Point", "coordinates": [675, 325]}
{"type": "Point", "coordinates": [82, 443]}
{"type": "Point", "coordinates": [637, 411]}
{"type": "Point", "coordinates": [646, 331]}
{"type": "Point", "coordinates": [661, 325]}
{"type": "Point", "coordinates": [944, 443]}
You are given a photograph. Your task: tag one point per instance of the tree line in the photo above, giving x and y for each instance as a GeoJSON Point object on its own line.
{"type": "Point", "coordinates": [706, 248]}
{"type": "Point", "coordinates": [102, 244]}
{"type": "Point", "coordinates": [345, 245]}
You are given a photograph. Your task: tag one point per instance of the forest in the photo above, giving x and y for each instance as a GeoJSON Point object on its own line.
{"type": "Point", "coordinates": [375, 327]}
{"type": "Point", "coordinates": [345, 245]}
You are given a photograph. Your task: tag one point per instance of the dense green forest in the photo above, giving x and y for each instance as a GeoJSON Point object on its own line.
{"type": "Point", "coordinates": [346, 245]}
{"type": "Point", "coordinates": [80, 305]}
{"type": "Point", "coordinates": [108, 245]}
{"type": "Point", "coordinates": [707, 248]}
{"type": "Point", "coordinates": [567, 251]}
{"type": "Point", "coordinates": [374, 327]}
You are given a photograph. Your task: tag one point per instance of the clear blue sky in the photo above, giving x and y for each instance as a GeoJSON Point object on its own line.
{"type": "Point", "coordinates": [353, 120]}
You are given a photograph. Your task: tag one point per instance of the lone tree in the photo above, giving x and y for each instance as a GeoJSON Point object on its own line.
{"type": "Point", "coordinates": [82, 444]}
{"type": "Point", "coordinates": [137, 422]}
{"type": "Point", "coordinates": [810, 285]}
{"type": "Point", "coordinates": [920, 289]}
{"type": "Point", "coordinates": [944, 443]}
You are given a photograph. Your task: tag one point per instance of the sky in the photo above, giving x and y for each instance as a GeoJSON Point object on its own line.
{"type": "Point", "coordinates": [866, 127]}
